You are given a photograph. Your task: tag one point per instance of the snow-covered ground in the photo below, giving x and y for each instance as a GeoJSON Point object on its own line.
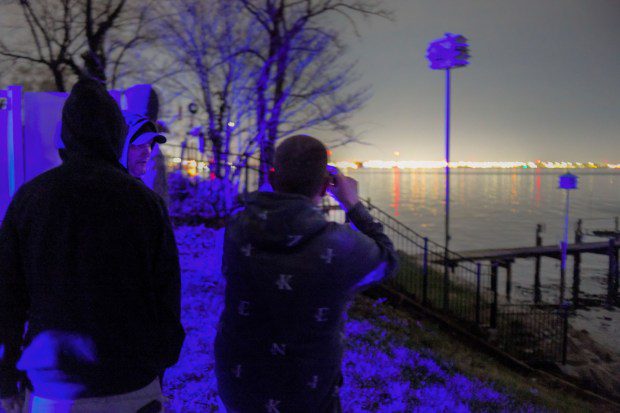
{"type": "Point", "coordinates": [383, 372]}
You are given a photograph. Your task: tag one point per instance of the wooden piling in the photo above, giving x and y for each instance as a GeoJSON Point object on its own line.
{"type": "Point", "coordinates": [616, 281]}
{"type": "Point", "coordinates": [508, 280]}
{"type": "Point", "coordinates": [537, 295]}
{"type": "Point", "coordinates": [478, 292]}
{"type": "Point", "coordinates": [494, 304]}
{"type": "Point", "coordinates": [611, 274]}
{"type": "Point", "coordinates": [577, 264]}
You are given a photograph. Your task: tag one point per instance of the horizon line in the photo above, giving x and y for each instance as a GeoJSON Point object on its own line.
{"type": "Point", "coordinates": [380, 164]}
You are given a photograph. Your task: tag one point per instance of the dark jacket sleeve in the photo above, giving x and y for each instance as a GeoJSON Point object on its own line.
{"type": "Point", "coordinates": [14, 304]}
{"type": "Point", "coordinates": [374, 256]}
{"type": "Point", "coordinates": [168, 292]}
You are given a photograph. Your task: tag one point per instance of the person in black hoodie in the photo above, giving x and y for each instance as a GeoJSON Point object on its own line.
{"type": "Point", "coordinates": [88, 262]}
{"type": "Point", "coordinates": [290, 275]}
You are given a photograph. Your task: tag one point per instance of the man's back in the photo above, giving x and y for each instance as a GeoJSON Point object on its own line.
{"type": "Point", "coordinates": [290, 275]}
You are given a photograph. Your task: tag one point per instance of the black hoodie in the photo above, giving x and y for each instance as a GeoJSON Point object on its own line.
{"type": "Point", "coordinates": [88, 259]}
{"type": "Point", "coordinates": [289, 277]}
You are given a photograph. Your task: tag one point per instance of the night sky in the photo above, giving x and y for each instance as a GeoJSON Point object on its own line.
{"type": "Point", "coordinates": [543, 83]}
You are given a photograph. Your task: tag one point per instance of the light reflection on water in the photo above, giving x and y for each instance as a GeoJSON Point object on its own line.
{"type": "Point", "coordinates": [499, 208]}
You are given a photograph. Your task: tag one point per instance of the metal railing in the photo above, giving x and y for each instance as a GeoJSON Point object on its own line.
{"type": "Point", "coordinates": [533, 333]}
{"type": "Point", "coordinates": [469, 294]}
{"type": "Point", "coordinates": [183, 157]}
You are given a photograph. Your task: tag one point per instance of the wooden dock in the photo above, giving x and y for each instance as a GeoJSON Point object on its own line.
{"type": "Point", "coordinates": [506, 255]}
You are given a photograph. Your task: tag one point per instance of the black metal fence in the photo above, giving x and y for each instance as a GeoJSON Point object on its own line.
{"type": "Point", "coordinates": [533, 333]}
{"type": "Point", "coordinates": [189, 158]}
{"type": "Point", "coordinates": [468, 292]}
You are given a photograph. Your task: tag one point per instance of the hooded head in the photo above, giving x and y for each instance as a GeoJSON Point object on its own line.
{"type": "Point", "coordinates": [142, 135]}
{"type": "Point", "coordinates": [92, 123]}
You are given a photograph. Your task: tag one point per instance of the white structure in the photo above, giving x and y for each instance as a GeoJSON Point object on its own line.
{"type": "Point", "coordinates": [30, 125]}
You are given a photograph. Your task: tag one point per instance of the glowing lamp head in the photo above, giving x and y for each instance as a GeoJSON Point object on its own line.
{"type": "Point", "coordinates": [568, 181]}
{"type": "Point", "coordinates": [449, 52]}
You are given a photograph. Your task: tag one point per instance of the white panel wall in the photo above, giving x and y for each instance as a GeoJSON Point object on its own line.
{"type": "Point", "coordinates": [43, 113]}
{"type": "Point", "coordinates": [30, 134]}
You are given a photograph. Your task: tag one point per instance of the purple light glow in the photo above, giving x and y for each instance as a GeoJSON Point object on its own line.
{"type": "Point", "coordinates": [382, 371]}
{"type": "Point", "coordinates": [449, 52]}
{"type": "Point", "coordinates": [568, 181]}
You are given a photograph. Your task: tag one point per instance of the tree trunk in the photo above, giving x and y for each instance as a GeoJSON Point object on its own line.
{"type": "Point", "coordinates": [267, 152]}
{"type": "Point", "coordinates": [59, 79]}
{"type": "Point", "coordinates": [216, 144]}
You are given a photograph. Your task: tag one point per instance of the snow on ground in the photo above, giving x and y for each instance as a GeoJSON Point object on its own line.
{"type": "Point", "coordinates": [382, 374]}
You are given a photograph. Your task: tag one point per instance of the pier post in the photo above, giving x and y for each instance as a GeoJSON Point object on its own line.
{"type": "Point", "coordinates": [612, 273]}
{"type": "Point", "coordinates": [565, 307]}
{"type": "Point", "coordinates": [425, 274]}
{"type": "Point", "coordinates": [537, 295]}
{"type": "Point", "coordinates": [508, 280]}
{"type": "Point", "coordinates": [495, 297]}
{"type": "Point", "coordinates": [577, 264]}
{"type": "Point", "coordinates": [617, 278]}
{"type": "Point", "coordinates": [478, 298]}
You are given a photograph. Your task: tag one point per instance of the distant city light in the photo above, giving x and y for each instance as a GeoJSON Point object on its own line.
{"type": "Point", "coordinates": [344, 165]}
{"type": "Point", "coordinates": [380, 164]}
{"type": "Point", "coordinates": [231, 124]}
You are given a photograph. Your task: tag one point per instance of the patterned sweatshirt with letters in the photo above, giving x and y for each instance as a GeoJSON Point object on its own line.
{"type": "Point", "coordinates": [290, 275]}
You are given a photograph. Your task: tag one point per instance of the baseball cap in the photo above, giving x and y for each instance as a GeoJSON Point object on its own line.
{"type": "Point", "coordinates": [141, 130]}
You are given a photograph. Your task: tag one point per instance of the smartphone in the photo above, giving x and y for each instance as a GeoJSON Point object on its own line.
{"type": "Point", "coordinates": [332, 171]}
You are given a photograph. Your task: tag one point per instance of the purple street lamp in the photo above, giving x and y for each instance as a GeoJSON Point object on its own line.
{"type": "Point", "coordinates": [568, 182]}
{"type": "Point", "coordinates": [449, 52]}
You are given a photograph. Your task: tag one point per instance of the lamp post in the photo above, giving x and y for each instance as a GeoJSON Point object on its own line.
{"type": "Point", "coordinates": [449, 52]}
{"type": "Point", "coordinates": [567, 182]}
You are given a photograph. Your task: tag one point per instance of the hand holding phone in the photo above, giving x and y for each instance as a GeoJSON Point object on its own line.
{"type": "Point", "coordinates": [343, 189]}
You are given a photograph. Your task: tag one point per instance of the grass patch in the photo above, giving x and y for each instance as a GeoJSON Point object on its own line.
{"type": "Point", "coordinates": [448, 350]}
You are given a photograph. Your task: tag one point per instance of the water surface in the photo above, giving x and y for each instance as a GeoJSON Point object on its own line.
{"type": "Point", "coordinates": [500, 208]}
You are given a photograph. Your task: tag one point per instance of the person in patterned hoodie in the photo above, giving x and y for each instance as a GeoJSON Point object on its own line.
{"type": "Point", "coordinates": [290, 275]}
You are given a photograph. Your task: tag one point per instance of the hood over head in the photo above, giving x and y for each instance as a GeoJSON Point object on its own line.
{"type": "Point", "coordinates": [277, 220]}
{"type": "Point", "coordinates": [140, 129]}
{"type": "Point", "coordinates": [92, 123]}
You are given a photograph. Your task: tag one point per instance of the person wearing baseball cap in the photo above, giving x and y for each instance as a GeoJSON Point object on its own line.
{"type": "Point", "coordinates": [142, 135]}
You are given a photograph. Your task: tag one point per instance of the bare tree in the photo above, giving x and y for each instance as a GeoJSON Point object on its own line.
{"type": "Point", "coordinates": [58, 33]}
{"type": "Point", "coordinates": [51, 30]}
{"type": "Point", "coordinates": [270, 66]}
{"type": "Point", "coordinates": [201, 46]}
{"type": "Point", "coordinates": [204, 43]}
{"type": "Point", "coordinates": [133, 32]}
{"type": "Point", "coordinates": [302, 82]}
